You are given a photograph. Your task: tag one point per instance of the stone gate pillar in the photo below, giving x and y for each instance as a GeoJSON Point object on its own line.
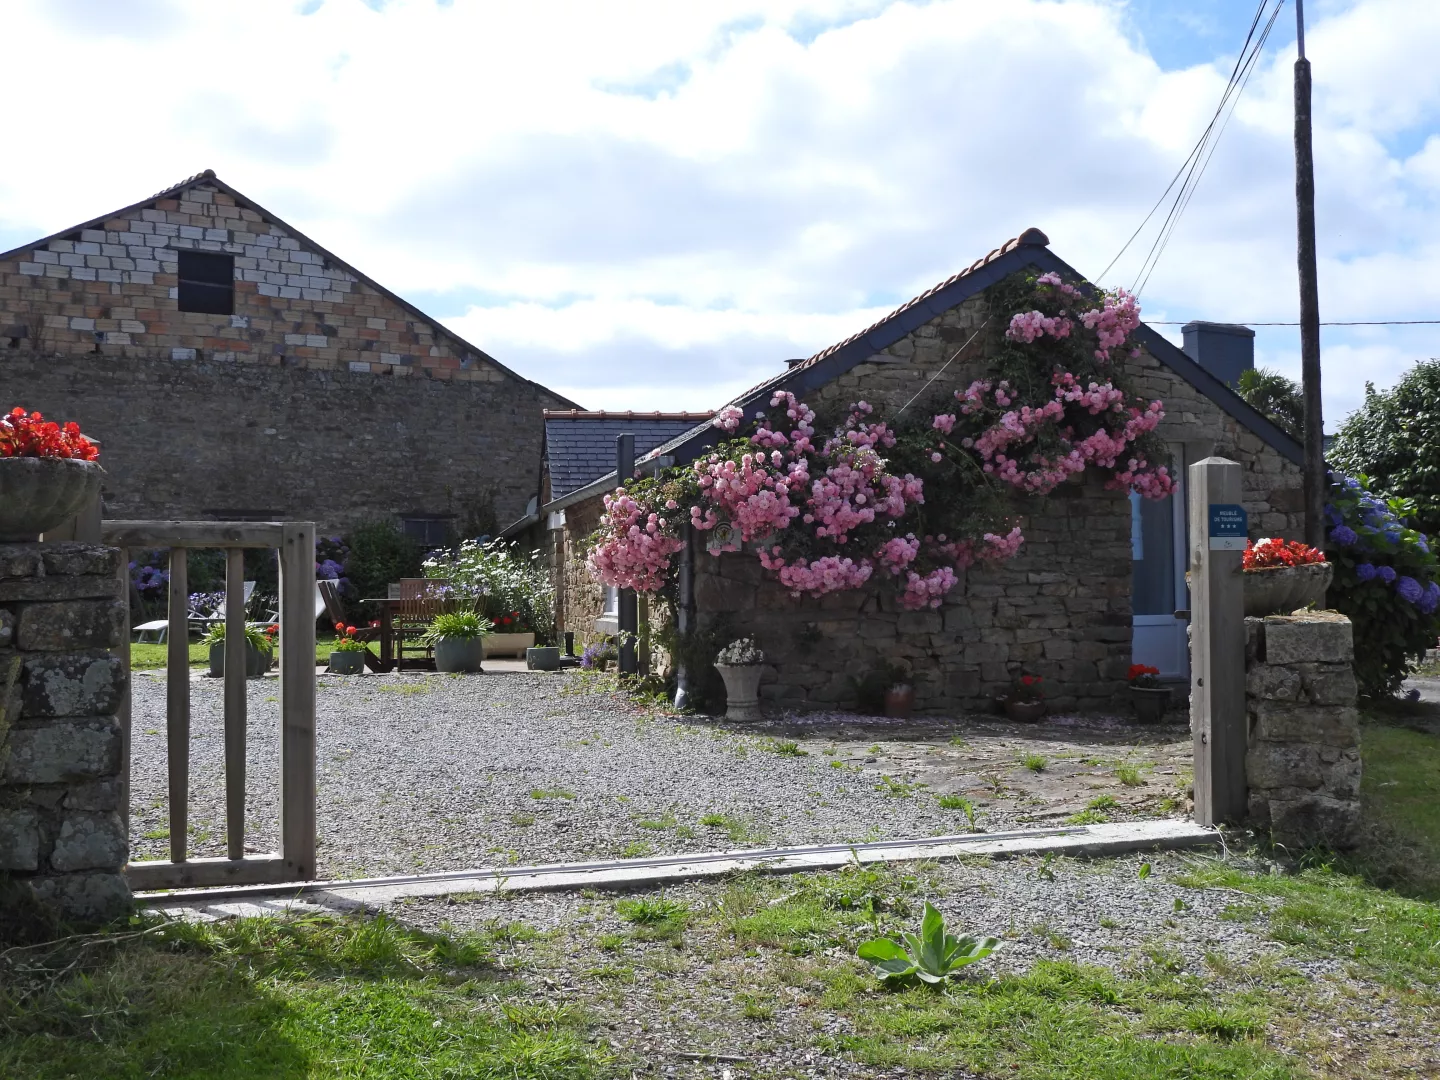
{"type": "Point", "coordinates": [62, 789]}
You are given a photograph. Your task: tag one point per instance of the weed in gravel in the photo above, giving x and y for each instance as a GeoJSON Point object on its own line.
{"type": "Point", "coordinates": [755, 1007]}
{"type": "Point", "coordinates": [1168, 805]}
{"type": "Point", "coordinates": [1088, 817]}
{"type": "Point", "coordinates": [1034, 762]}
{"type": "Point", "coordinates": [786, 749]}
{"type": "Point", "coordinates": [637, 849]}
{"type": "Point", "coordinates": [649, 910]}
{"type": "Point", "coordinates": [895, 788]}
{"type": "Point", "coordinates": [522, 820]}
{"type": "Point", "coordinates": [740, 830]}
{"type": "Point", "coordinates": [685, 832]}
{"type": "Point", "coordinates": [157, 834]}
{"type": "Point", "coordinates": [551, 793]}
{"type": "Point", "coordinates": [1109, 923]}
{"type": "Point", "coordinates": [660, 824]}
{"type": "Point", "coordinates": [956, 740]}
{"type": "Point", "coordinates": [1102, 802]}
{"type": "Point", "coordinates": [1128, 774]}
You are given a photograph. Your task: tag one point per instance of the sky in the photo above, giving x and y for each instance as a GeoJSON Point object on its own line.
{"type": "Point", "coordinates": [651, 205]}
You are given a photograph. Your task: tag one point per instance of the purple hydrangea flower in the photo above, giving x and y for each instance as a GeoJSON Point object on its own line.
{"type": "Point", "coordinates": [1343, 535]}
{"type": "Point", "coordinates": [1365, 571]}
{"type": "Point", "coordinates": [1410, 590]}
{"type": "Point", "coordinates": [1387, 574]}
{"type": "Point", "coordinates": [1431, 600]}
{"type": "Point", "coordinates": [1333, 515]}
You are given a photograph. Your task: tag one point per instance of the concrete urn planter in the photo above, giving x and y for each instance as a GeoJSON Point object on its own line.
{"type": "Point", "coordinates": [1150, 702]}
{"type": "Point", "coordinates": [37, 494]}
{"type": "Point", "coordinates": [1279, 590]}
{"type": "Point", "coordinates": [742, 684]}
{"type": "Point", "coordinates": [460, 654]}
{"type": "Point", "coordinates": [543, 658]}
{"type": "Point", "coordinates": [508, 644]}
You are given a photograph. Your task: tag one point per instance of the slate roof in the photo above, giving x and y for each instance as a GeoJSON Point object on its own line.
{"type": "Point", "coordinates": [580, 446]}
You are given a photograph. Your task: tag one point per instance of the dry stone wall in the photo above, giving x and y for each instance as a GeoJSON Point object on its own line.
{"type": "Point", "coordinates": [61, 690]}
{"type": "Point", "coordinates": [1303, 762]}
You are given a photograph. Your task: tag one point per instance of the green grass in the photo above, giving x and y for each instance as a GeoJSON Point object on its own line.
{"type": "Point", "coordinates": [551, 793]}
{"type": "Point", "coordinates": [1034, 762]}
{"type": "Point", "coordinates": [1088, 817]}
{"type": "Point", "coordinates": [740, 830]}
{"type": "Point", "coordinates": [1392, 939]}
{"type": "Point", "coordinates": [1102, 802]}
{"type": "Point", "coordinates": [149, 657]}
{"type": "Point", "coordinates": [1400, 783]}
{"type": "Point", "coordinates": [263, 998]}
{"type": "Point", "coordinates": [785, 749]}
{"type": "Point", "coordinates": [1128, 774]}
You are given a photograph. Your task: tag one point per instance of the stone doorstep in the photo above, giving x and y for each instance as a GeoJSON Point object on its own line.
{"type": "Point", "coordinates": [1093, 840]}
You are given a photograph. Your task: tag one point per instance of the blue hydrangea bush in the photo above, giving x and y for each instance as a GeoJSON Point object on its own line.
{"type": "Point", "coordinates": [1387, 580]}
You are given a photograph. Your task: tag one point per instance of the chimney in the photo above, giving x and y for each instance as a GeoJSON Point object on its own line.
{"type": "Point", "coordinates": [1223, 349]}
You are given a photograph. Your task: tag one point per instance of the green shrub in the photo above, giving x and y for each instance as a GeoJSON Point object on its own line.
{"type": "Point", "coordinates": [379, 553]}
{"type": "Point", "coordinates": [461, 625]}
{"type": "Point", "coordinates": [1394, 439]}
{"type": "Point", "coordinates": [1387, 581]}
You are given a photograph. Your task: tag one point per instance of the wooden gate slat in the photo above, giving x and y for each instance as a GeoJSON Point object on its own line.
{"type": "Point", "coordinates": [177, 705]}
{"type": "Point", "coordinates": [236, 662]}
{"type": "Point", "coordinates": [297, 699]}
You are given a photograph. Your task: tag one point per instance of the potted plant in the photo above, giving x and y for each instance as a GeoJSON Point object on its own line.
{"type": "Point", "coordinates": [1282, 575]}
{"type": "Point", "coordinates": [510, 636]}
{"type": "Point", "coordinates": [1026, 700]}
{"type": "Point", "coordinates": [258, 650]}
{"type": "Point", "coordinates": [739, 664]}
{"type": "Point", "coordinates": [1149, 698]}
{"type": "Point", "coordinates": [598, 655]}
{"type": "Point", "coordinates": [899, 700]}
{"type": "Point", "coordinates": [48, 474]}
{"type": "Point", "coordinates": [458, 638]}
{"type": "Point", "coordinates": [347, 655]}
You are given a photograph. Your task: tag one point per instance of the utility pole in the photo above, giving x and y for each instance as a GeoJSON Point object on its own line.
{"type": "Point", "coordinates": [1314, 481]}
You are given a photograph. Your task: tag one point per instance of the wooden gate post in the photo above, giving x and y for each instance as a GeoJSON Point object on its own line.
{"type": "Point", "coordinates": [1218, 531]}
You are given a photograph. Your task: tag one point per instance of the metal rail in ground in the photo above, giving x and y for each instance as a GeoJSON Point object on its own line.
{"type": "Point", "coordinates": [1084, 840]}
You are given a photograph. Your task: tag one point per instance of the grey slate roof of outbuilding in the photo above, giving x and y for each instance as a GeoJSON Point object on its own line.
{"type": "Point", "coordinates": [580, 446]}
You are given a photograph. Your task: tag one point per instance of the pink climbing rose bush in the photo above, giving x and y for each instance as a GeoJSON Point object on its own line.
{"type": "Point", "coordinates": [911, 500]}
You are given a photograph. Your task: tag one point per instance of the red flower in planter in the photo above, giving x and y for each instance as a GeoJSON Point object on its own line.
{"type": "Point", "coordinates": [25, 434]}
{"type": "Point", "coordinates": [1267, 553]}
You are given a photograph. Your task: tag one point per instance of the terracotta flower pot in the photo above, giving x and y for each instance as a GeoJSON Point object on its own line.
{"type": "Point", "coordinates": [1024, 712]}
{"type": "Point", "coordinates": [899, 700]}
{"type": "Point", "coordinates": [37, 494]}
{"type": "Point", "coordinates": [1279, 590]}
{"type": "Point", "coordinates": [742, 686]}
{"type": "Point", "coordinates": [1150, 702]}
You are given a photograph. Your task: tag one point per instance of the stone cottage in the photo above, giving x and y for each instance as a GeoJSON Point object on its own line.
{"type": "Point", "coordinates": [1099, 582]}
{"type": "Point", "coordinates": [231, 367]}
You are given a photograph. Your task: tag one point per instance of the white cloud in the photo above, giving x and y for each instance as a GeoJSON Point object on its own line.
{"type": "Point", "coordinates": [654, 204]}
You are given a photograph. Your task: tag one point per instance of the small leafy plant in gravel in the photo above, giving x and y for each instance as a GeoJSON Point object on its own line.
{"type": "Point", "coordinates": [1128, 774]}
{"type": "Point", "coordinates": [932, 956]}
{"type": "Point", "coordinates": [786, 749]}
{"type": "Point", "coordinates": [1034, 762]}
{"type": "Point", "coordinates": [1088, 817]}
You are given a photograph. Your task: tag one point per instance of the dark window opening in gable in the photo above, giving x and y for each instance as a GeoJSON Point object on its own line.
{"type": "Point", "coordinates": [207, 283]}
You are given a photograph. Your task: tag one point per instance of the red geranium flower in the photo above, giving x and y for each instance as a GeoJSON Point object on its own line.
{"type": "Point", "coordinates": [31, 435]}
{"type": "Point", "coordinates": [1266, 553]}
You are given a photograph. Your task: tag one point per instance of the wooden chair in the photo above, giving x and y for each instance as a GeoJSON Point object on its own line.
{"type": "Point", "coordinates": [420, 601]}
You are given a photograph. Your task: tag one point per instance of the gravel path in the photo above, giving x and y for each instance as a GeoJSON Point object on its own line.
{"type": "Point", "coordinates": [423, 773]}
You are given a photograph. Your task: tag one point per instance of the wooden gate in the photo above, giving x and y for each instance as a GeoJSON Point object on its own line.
{"type": "Point", "coordinates": [295, 861]}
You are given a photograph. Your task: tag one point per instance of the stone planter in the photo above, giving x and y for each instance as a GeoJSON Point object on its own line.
{"type": "Point", "coordinates": [742, 683]}
{"type": "Point", "coordinates": [37, 494]}
{"type": "Point", "coordinates": [508, 644]}
{"type": "Point", "coordinates": [899, 700]}
{"type": "Point", "coordinates": [1150, 702]}
{"type": "Point", "coordinates": [543, 658]}
{"type": "Point", "coordinates": [257, 661]}
{"type": "Point", "coordinates": [349, 662]}
{"type": "Point", "coordinates": [1024, 712]}
{"type": "Point", "coordinates": [1280, 590]}
{"type": "Point", "coordinates": [460, 654]}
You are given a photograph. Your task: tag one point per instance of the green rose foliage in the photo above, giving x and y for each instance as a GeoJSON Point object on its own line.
{"type": "Point", "coordinates": [1394, 439]}
{"type": "Point", "coordinates": [1387, 580]}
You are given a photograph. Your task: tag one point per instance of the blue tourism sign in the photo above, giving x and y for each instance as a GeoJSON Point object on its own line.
{"type": "Point", "coordinates": [1229, 527]}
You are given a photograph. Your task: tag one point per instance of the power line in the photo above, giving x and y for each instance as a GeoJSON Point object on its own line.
{"type": "Point", "coordinates": [1243, 63]}
{"type": "Point", "coordinates": [1198, 167]}
{"type": "Point", "coordinates": [1348, 322]}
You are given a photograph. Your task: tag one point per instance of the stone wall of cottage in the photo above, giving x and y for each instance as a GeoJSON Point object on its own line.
{"type": "Point", "coordinates": [320, 398]}
{"type": "Point", "coordinates": [1303, 762]}
{"type": "Point", "coordinates": [1060, 609]}
{"type": "Point", "coordinates": [61, 831]}
{"type": "Point", "coordinates": [581, 599]}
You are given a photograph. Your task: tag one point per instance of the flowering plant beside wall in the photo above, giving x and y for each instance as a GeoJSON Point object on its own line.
{"type": "Point", "coordinates": [25, 434]}
{"type": "Point", "coordinates": [1269, 553]}
{"type": "Point", "coordinates": [1387, 580]}
{"type": "Point", "coordinates": [1143, 676]}
{"type": "Point", "coordinates": [917, 497]}
{"type": "Point", "coordinates": [511, 585]}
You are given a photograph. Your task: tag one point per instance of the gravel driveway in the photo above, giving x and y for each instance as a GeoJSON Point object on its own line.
{"type": "Point", "coordinates": [422, 773]}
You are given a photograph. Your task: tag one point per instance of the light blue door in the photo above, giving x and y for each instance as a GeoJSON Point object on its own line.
{"type": "Point", "coordinates": [1157, 581]}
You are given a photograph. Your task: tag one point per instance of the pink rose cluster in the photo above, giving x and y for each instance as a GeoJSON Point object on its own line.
{"type": "Point", "coordinates": [637, 553]}
{"type": "Point", "coordinates": [1113, 321]}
